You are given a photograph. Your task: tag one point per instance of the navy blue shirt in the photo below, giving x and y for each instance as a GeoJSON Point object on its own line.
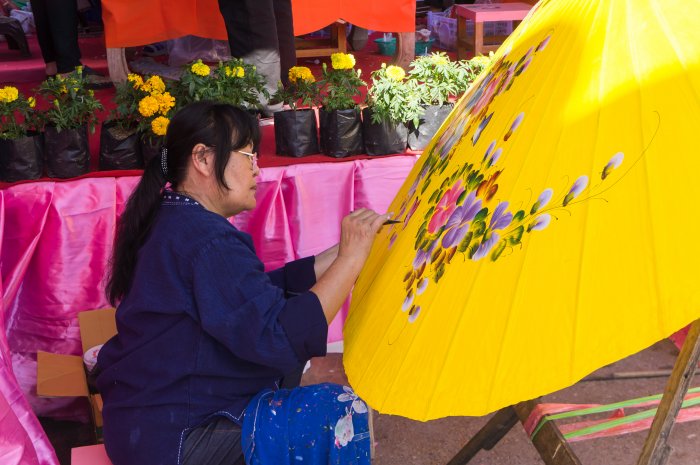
{"type": "Point", "coordinates": [201, 330]}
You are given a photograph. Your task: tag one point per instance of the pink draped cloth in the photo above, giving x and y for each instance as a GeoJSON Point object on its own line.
{"type": "Point", "coordinates": [55, 243]}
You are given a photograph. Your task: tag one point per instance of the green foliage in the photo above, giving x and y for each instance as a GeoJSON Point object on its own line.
{"type": "Point", "coordinates": [339, 88]}
{"type": "Point", "coordinates": [139, 102]}
{"type": "Point", "coordinates": [436, 78]}
{"type": "Point", "coordinates": [302, 89]}
{"type": "Point", "coordinates": [17, 114]}
{"type": "Point", "coordinates": [72, 105]}
{"type": "Point", "coordinates": [392, 98]}
{"type": "Point", "coordinates": [233, 82]}
{"type": "Point", "coordinates": [469, 70]}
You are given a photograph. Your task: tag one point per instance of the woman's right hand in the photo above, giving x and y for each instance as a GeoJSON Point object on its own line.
{"type": "Point", "coordinates": [357, 233]}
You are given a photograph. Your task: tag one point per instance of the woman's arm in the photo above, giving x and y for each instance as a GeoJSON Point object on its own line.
{"type": "Point", "coordinates": [358, 231]}
{"type": "Point", "coordinates": [324, 260]}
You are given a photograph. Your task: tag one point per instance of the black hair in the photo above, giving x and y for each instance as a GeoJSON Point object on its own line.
{"type": "Point", "coordinates": [217, 125]}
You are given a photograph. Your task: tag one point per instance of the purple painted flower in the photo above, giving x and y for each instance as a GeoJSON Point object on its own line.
{"type": "Point", "coordinates": [413, 314]}
{"type": "Point", "coordinates": [445, 207]}
{"type": "Point", "coordinates": [542, 200]}
{"type": "Point", "coordinates": [612, 164]}
{"type": "Point", "coordinates": [514, 126]}
{"type": "Point", "coordinates": [486, 246]}
{"type": "Point", "coordinates": [421, 257]}
{"type": "Point", "coordinates": [543, 44]}
{"type": "Point", "coordinates": [492, 146]}
{"type": "Point", "coordinates": [458, 225]}
{"type": "Point", "coordinates": [422, 286]}
{"type": "Point", "coordinates": [413, 209]}
{"type": "Point", "coordinates": [500, 218]}
{"type": "Point", "coordinates": [494, 158]}
{"type": "Point", "coordinates": [578, 187]}
{"type": "Point", "coordinates": [482, 125]}
{"type": "Point", "coordinates": [408, 302]}
{"type": "Point", "coordinates": [540, 222]}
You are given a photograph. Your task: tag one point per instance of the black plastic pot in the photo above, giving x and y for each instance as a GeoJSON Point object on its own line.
{"type": "Point", "coordinates": [21, 158]}
{"type": "Point", "coordinates": [67, 152]}
{"type": "Point", "coordinates": [382, 138]}
{"type": "Point", "coordinates": [341, 133]}
{"type": "Point", "coordinates": [295, 133]}
{"type": "Point", "coordinates": [430, 122]}
{"type": "Point", "coordinates": [119, 150]}
{"type": "Point", "coordinates": [150, 148]}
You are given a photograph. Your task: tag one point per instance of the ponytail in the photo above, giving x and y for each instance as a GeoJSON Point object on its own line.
{"type": "Point", "coordinates": [133, 227]}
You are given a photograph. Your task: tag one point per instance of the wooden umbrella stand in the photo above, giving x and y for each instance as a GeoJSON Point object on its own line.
{"type": "Point", "coordinates": [554, 448]}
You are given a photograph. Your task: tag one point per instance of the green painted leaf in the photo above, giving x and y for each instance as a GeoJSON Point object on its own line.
{"type": "Point", "coordinates": [519, 216]}
{"type": "Point", "coordinates": [498, 250]}
{"type": "Point", "coordinates": [461, 197]}
{"type": "Point", "coordinates": [462, 247]}
{"type": "Point", "coordinates": [481, 215]}
{"type": "Point", "coordinates": [516, 236]}
{"type": "Point", "coordinates": [479, 228]}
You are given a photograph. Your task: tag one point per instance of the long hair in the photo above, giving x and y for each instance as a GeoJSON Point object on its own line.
{"type": "Point", "coordinates": [220, 126]}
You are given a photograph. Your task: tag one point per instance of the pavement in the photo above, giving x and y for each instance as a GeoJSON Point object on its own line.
{"type": "Point", "coordinates": [400, 441]}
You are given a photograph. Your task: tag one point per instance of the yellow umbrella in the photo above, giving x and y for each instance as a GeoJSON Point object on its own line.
{"type": "Point", "coordinates": [551, 227]}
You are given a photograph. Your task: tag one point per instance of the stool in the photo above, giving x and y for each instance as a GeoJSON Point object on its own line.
{"type": "Point", "coordinates": [480, 14]}
{"type": "Point", "coordinates": [16, 40]}
{"type": "Point", "coordinates": [324, 47]}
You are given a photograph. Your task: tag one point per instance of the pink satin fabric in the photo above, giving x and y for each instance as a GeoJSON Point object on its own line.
{"type": "Point", "coordinates": [55, 243]}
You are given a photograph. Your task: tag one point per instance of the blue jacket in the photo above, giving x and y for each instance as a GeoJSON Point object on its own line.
{"type": "Point", "coordinates": [201, 331]}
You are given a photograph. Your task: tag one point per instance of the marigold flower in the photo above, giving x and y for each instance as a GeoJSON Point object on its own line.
{"type": "Point", "coordinates": [200, 68]}
{"type": "Point", "coordinates": [79, 69]}
{"type": "Point", "coordinates": [165, 102]}
{"type": "Point", "coordinates": [240, 72]}
{"type": "Point", "coordinates": [32, 102]}
{"type": "Point", "coordinates": [395, 72]}
{"type": "Point", "coordinates": [159, 126]}
{"type": "Point", "coordinates": [297, 73]}
{"type": "Point", "coordinates": [227, 71]}
{"type": "Point", "coordinates": [136, 80]}
{"type": "Point", "coordinates": [148, 106]}
{"type": "Point", "coordinates": [154, 85]}
{"type": "Point", "coordinates": [8, 94]}
{"type": "Point", "coordinates": [342, 61]}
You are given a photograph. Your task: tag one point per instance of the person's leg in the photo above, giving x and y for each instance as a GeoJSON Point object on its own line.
{"type": "Point", "coordinates": [217, 442]}
{"type": "Point", "coordinates": [63, 26]}
{"type": "Point", "coordinates": [252, 36]}
{"type": "Point", "coordinates": [43, 34]}
{"type": "Point", "coordinates": [285, 37]}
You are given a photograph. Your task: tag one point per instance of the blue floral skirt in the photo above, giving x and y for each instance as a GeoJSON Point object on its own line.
{"type": "Point", "coordinates": [316, 425]}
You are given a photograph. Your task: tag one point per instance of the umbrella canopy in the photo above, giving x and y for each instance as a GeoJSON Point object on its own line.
{"type": "Point", "coordinates": [551, 226]}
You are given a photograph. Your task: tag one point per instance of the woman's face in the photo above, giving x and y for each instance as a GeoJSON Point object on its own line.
{"type": "Point", "coordinates": [240, 176]}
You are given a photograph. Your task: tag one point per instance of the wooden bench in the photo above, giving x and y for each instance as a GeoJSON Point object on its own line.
{"type": "Point", "coordinates": [481, 14]}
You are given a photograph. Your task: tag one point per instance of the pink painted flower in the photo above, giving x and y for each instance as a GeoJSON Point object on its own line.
{"type": "Point", "coordinates": [445, 207]}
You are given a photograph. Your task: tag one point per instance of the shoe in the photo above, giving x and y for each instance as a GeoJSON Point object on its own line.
{"type": "Point", "coordinates": [154, 50]}
{"type": "Point", "coordinates": [95, 80]}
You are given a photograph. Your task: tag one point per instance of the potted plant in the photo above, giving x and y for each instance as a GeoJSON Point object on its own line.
{"type": "Point", "coordinates": [469, 70]}
{"type": "Point", "coordinates": [391, 102]}
{"type": "Point", "coordinates": [21, 145]}
{"type": "Point", "coordinates": [70, 114]}
{"type": "Point", "coordinates": [138, 123]}
{"type": "Point", "coordinates": [233, 82]}
{"type": "Point", "coordinates": [296, 132]}
{"type": "Point", "coordinates": [339, 119]}
{"type": "Point", "coordinates": [437, 79]}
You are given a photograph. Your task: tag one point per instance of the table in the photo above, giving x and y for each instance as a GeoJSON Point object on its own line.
{"type": "Point", "coordinates": [480, 14]}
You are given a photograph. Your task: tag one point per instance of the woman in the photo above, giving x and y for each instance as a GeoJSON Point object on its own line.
{"type": "Point", "coordinates": [204, 335]}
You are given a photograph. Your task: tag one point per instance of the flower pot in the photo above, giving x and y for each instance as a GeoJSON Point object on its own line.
{"type": "Point", "coordinates": [430, 122]}
{"type": "Point", "coordinates": [21, 158]}
{"type": "Point", "coordinates": [382, 138]}
{"type": "Point", "coordinates": [119, 148]}
{"type": "Point", "coordinates": [149, 147]}
{"type": "Point", "coordinates": [386, 47]}
{"type": "Point", "coordinates": [341, 132]}
{"type": "Point", "coordinates": [296, 134]}
{"type": "Point", "coordinates": [67, 152]}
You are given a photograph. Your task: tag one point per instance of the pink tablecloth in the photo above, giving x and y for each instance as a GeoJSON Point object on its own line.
{"type": "Point", "coordinates": [55, 241]}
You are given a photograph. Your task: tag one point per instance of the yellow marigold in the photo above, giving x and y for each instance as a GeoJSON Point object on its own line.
{"type": "Point", "coordinates": [395, 72]}
{"type": "Point", "coordinates": [439, 59]}
{"type": "Point", "coordinates": [165, 102]}
{"type": "Point", "coordinates": [342, 61]}
{"type": "Point", "coordinates": [8, 94]}
{"type": "Point", "coordinates": [154, 85]}
{"type": "Point", "coordinates": [159, 126]}
{"type": "Point", "coordinates": [148, 106]}
{"type": "Point", "coordinates": [303, 73]}
{"type": "Point", "coordinates": [240, 72]}
{"type": "Point", "coordinates": [79, 69]}
{"type": "Point", "coordinates": [227, 71]}
{"type": "Point", "coordinates": [64, 89]}
{"type": "Point", "coordinates": [135, 80]}
{"type": "Point", "coordinates": [200, 68]}
{"type": "Point", "coordinates": [32, 102]}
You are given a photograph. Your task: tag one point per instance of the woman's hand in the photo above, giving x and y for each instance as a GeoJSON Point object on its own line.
{"type": "Point", "coordinates": [358, 231]}
{"type": "Point", "coordinates": [357, 234]}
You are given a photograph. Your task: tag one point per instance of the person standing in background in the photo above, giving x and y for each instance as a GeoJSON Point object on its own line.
{"type": "Point", "coordinates": [261, 32]}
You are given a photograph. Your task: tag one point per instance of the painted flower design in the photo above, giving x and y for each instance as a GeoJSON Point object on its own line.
{"type": "Point", "coordinates": [445, 207]}
{"type": "Point", "coordinates": [344, 429]}
{"type": "Point", "coordinates": [458, 225]}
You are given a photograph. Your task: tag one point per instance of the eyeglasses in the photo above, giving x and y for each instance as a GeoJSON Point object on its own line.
{"type": "Point", "coordinates": [252, 156]}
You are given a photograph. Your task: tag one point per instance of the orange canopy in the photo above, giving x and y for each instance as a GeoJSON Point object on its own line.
{"type": "Point", "coordinates": [129, 23]}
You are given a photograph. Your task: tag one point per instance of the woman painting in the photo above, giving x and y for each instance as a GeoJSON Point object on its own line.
{"type": "Point", "coordinates": [204, 334]}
